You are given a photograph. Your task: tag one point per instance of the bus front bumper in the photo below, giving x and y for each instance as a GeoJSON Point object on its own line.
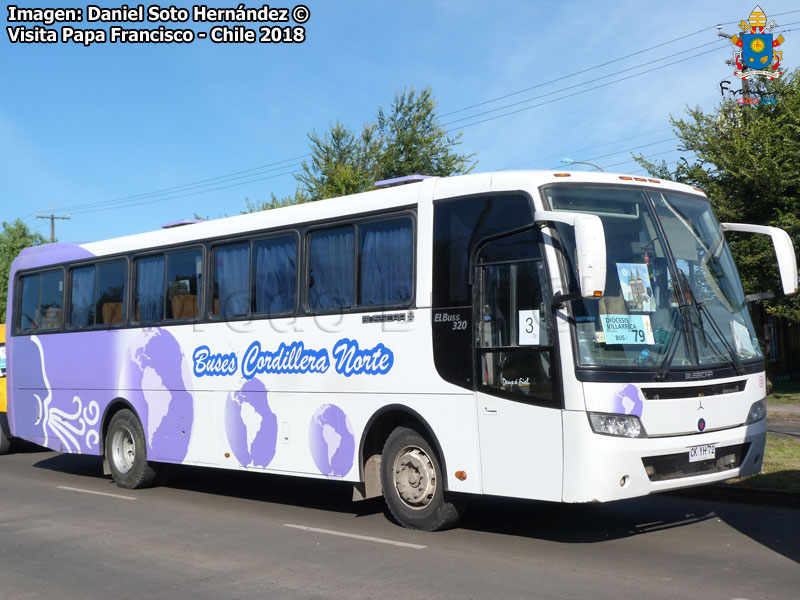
{"type": "Point", "coordinates": [600, 468]}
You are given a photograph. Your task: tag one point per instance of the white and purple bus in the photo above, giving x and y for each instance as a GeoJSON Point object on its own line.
{"type": "Point", "coordinates": [571, 337]}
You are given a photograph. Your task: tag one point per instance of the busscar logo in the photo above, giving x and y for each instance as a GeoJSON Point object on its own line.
{"type": "Point", "coordinates": [699, 374]}
{"type": "Point", "coordinates": [756, 55]}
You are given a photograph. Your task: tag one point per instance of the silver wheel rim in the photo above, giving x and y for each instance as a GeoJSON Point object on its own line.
{"type": "Point", "coordinates": [123, 450]}
{"type": "Point", "coordinates": [414, 477]}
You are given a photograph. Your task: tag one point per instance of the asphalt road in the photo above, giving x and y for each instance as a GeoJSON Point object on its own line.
{"type": "Point", "coordinates": [68, 532]}
{"type": "Point", "coordinates": [784, 426]}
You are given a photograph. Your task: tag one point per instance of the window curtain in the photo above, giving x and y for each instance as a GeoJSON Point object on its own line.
{"type": "Point", "coordinates": [331, 268]}
{"type": "Point", "coordinates": [82, 313]}
{"type": "Point", "coordinates": [233, 280]}
{"type": "Point", "coordinates": [150, 288]}
{"type": "Point", "coordinates": [385, 262]}
{"type": "Point", "coordinates": [275, 275]}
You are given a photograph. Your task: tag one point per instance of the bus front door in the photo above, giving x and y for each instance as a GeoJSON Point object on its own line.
{"type": "Point", "coordinates": [519, 417]}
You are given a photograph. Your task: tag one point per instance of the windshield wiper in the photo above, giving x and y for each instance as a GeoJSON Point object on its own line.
{"type": "Point", "coordinates": [672, 347]}
{"type": "Point", "coordinates": [701, 309]}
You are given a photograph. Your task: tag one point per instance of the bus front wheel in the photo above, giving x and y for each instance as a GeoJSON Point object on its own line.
{"type": "Point", "coordinates": [413, 483]}
{"type": "Point", "coordinates": [126, 452]}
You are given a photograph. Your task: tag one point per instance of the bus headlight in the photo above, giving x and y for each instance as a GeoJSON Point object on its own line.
{"type": "Point", "coordinates": [618, 425]}
{"type": "Point", "coordinates": [757, 412]}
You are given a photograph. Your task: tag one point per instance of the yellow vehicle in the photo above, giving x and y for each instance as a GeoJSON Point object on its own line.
{"type": "Point", "coordinates": [5, 442]}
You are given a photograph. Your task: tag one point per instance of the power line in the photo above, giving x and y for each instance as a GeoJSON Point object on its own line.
{"type": "Point", "coordinates": [174, 197]}
{"type": "Point", "coordinates": [592, 158]}
{"type": "Point", "coordinates": [719, 43]}
{"type": "Point", "coordinates": [125, 201]}
{"type": "Point", "coordinates": [542, 159]}
{"type": "Point", "coordinates": [538, 85]}
{"type": "Point", "coordinates": [199, 183]}
{"type": "Point", "coordinates": [616, 164]}
{"type": "Point", "coordinates": [204, 182]}
{"type": "Point", "coordinates": [151, 201]}
{"type": "Point", "coordinates": [643, 170]}
{"type": "Point", "coordinates": [519, 110]}
{"type": "Point", "coordinates": [586, 70]}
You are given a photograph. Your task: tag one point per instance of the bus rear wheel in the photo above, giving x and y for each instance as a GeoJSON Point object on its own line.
{"type": "Point", "coordinates": [413, 483]}
{"type": "Point", "coordinates": [126, 452]}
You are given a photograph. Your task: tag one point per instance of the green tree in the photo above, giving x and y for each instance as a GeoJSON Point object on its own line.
{"type": "Point", "coordinates": [14, 238]}
{"type": "Point", "coordinates": [746, 159]}
{"type": "Point", "coordinates": [413, 141]}
{"type": "Point", "coordinates": [405, 139]}
{"type": "Point", "coordinates": [341, 163]}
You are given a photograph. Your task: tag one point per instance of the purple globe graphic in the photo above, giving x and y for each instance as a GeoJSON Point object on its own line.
{"type": "Point", "coordinates": [157, 380]}
{"type": "Point", "coordinates": [251, 427]}
{"type": "Point", "coordinates": [629, 401]}
{"type": "Point", "coordinates": [331, 439]}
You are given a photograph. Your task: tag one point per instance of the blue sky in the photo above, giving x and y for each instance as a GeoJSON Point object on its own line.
{"type": "Point", "coordinates": [91, 125]}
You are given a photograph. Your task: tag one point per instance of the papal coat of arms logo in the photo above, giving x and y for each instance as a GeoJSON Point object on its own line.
{"type": "Point", "coordinates": [756, 55]}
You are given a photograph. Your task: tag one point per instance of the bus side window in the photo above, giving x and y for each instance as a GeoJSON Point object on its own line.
{"type": "Point", "coordinates": [385, 262]}
{"type": "Point", "coordinates": [29, 303]}
{"type": "Point", "coordinates": [231, 280]}
{"type": "Point", "coordinates": [81, 312]}
{"type": "Point", "coordinates": [112, 281]}
{"type": "Point", "coordinates": [274, 275]}
{"type": "Point", "coordinates": [149, 299]}
{"type": "Point", "coordinates": [331, 268]}
{"type": "Point", "coordinates": [459, 225]}
{"type": "Point", "coordinates": [184, 282]}
{"type": "Point", "coordinates": [52, 299]}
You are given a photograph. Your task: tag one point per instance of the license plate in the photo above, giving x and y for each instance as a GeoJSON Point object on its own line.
{"type": "Point", "coordinates": [705, 452]}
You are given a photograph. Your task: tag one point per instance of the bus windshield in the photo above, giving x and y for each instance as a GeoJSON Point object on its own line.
{"type": "Point", "coordinates": [673, 296]}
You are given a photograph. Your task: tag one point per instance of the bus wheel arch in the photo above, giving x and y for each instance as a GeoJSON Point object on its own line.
{"type": "Point", "coordinates": [380, 426]}
{"type": "Point", "coordinates": [116, 405]}
{"type": "Point", "coordinates": [413, 482]}
{"type": "Point", "coordinates": [125, 447]}
{"type": "Point", "coordinates": [399, 435]}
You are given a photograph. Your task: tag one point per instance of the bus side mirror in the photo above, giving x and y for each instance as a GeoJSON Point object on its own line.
{"type": "Point", "coordinates": [590, 248]}
{"type": "Point", "coordinates": [784, 251]}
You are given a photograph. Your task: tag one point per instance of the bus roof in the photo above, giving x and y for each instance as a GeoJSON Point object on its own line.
{"type": "Point", "coordinates": [392, 197]}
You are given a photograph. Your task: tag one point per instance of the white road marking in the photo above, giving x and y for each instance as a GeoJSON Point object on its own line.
{"type": "Point", "coordinates": [366, 538]}
{"type": "Point", "coordinates": [72, 489]}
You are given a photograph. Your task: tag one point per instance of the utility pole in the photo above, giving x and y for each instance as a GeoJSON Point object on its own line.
{"type": "Point", "coordinates": [52, 223]}
{"type": "Point", "coordinates": [745, 87]}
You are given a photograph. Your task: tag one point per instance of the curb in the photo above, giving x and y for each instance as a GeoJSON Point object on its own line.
{"type": "Point", "coordinates": [732, 493]}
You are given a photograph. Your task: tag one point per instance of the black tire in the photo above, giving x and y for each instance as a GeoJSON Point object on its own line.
{"type": "Point", "coordinates": [413, 483]}
{"type": "Point", "coordinates": [126, 452]}
{"type": "Point", "coordinates": [5, 442]}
